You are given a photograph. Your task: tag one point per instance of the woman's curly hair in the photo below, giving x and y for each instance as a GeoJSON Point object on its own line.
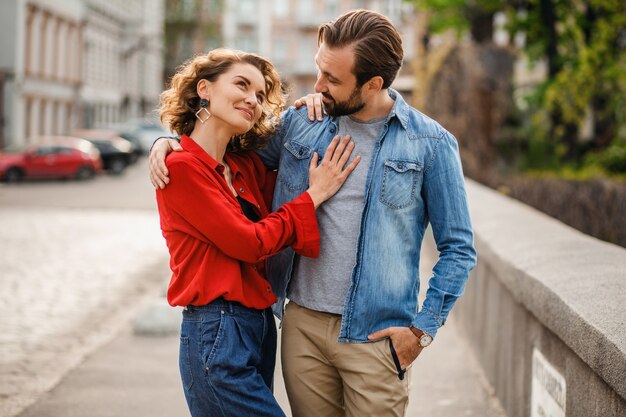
{"type": "Point", "coordinates": [180, 102]}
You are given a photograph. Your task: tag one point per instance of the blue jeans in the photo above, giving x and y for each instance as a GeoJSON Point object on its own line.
{"type": "Point", "coordinates": [227, 358]}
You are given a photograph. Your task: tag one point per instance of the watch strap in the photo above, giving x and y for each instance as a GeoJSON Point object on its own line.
{"type": "Point", "coordinates": [417, 332]}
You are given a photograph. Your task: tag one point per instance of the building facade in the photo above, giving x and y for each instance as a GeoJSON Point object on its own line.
{"type": "Point", "coordinates": [283, 30]}
{"type": "Point", "coordinates": [123, 60]}
{"type": "Point", "coordinates": [191, 27]}
{"type": "Point", "coordinates": [68, 64]}
{"type": "Point", "coordinates": [286, 32]}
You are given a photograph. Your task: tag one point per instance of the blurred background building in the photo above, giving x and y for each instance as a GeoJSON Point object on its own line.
{"type": "Point", "coordinates": [283, 30]}
{"type": "Point", "coordinates": [67, 64]}
{"type": "Point", "coordinates": [72, 64]}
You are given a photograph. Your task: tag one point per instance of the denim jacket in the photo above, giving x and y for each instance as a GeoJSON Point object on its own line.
{"type": "Point", "coordinates": [414, 177]}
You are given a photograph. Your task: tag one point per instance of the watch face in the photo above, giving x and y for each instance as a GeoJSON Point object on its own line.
{"type": "Point", "coordinates": [425, 340]}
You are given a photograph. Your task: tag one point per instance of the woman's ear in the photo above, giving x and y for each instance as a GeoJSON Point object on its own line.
{"type": "Point", "coordinates": [203, 88]}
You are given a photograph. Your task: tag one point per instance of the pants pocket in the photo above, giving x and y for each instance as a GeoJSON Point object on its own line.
{"type": "Point", "coordinates": [184, 363]}
{"type": "Point", "coordinates": [212, 332]}
{"type": "Point", "coordinates": [396, 361]}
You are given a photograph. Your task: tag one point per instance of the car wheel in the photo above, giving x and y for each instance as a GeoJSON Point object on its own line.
{"type": "Point", "coordinates": [13, 175]}
{"type": "Point", "coordinates": [117, 166]}
{"type": "Point", "coordinates": [85, 173]}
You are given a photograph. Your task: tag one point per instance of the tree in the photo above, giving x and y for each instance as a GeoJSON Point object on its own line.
{"type": "Point", "coordinates": [476, 16]}
{"type": "Point", "coordinates": [584, 46]}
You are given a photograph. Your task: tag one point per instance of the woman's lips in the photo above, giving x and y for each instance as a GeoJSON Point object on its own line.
{"type": "Point", "coordinates": [248, 113]}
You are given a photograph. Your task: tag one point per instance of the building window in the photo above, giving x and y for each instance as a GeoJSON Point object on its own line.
{"type": "Point", "coordinates": [306, 53]}
{"type": "Point", "coordinates": [281, 8]}
{"type": "Point", "coordinates": [306, 9]}
{"type": "Point", "coordinates": [188, 9]}
{"type": "Point", "coordinates": [247, 8]}
{"type": "Point", "coordinates": [279, 50]}
{"type": "Point", "coordinates": [211, 44]}
{"type": "Point", "coordinates": [247, 43]}
{"type": "Point", "coordinates": [332, 8]}
{"type": "Point", "coordinates": [211, 8]}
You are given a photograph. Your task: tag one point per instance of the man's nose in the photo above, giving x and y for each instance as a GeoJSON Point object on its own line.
{"type": "Point", "coordinates": [319, 86]}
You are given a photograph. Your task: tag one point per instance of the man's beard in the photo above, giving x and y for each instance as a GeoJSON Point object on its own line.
{"type": "Point", "coordinates": [344, 108]}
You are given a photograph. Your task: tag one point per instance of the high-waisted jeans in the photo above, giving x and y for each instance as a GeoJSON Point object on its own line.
{"type": "Point", "coordinates": [227, 359]}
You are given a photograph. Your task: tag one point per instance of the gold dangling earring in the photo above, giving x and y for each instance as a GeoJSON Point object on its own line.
{"type": "Point", "coordinates": [203, 114]}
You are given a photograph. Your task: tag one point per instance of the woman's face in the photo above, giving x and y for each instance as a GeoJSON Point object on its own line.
{"type": "Point", "coordinates": [236, 97]}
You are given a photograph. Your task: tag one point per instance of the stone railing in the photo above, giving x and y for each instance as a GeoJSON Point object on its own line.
{"type": "Point", "coordinates": [545, 312]}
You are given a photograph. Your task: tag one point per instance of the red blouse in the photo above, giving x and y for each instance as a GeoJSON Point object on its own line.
{"type": "Point", "coordinates": [215, 250]}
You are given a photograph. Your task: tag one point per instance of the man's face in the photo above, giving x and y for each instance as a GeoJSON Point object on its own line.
{"type": "Point", "coordinates": [336, 81]}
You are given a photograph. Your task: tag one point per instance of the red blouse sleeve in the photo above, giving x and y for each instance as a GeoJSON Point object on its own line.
{"type": "Point", "coordinates": [202, 203]}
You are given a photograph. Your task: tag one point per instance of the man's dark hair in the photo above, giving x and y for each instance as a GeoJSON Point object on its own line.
{"type": "Point", "coordinates": [377, 44]}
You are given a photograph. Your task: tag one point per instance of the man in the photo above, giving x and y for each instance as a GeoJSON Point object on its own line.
{"type": "Point", "coordinates": [364, 285]}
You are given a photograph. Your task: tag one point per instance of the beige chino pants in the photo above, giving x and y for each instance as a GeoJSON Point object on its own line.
{"type": "Point", "coordinates": [325, 378]}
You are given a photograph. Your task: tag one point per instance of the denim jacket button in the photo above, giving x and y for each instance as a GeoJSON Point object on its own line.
{"type": "Point", "coordinates": [332, 130]}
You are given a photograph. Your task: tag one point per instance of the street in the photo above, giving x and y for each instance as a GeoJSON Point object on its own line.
{"type": "Point", "coordinates": [77, 260]}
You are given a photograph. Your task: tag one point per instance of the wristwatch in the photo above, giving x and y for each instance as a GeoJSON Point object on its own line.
{"type": "Point", "coordinates": [424, 338]}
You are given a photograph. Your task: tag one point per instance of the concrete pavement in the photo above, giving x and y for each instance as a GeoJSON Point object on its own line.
{"type": "Point", "coordinates": [138, 376]}
{"type": "Point", "coordinates": [78, 262]}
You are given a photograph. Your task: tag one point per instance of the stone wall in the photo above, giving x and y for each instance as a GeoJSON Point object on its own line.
{"type": "Point", "coordinates": [596, 207]}
{"type": "Point", "coordinates": [540, 285]}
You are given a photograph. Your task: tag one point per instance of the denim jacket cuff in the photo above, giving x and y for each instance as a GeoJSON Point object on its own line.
{"type": "Point", "coordinates": [428, 322]}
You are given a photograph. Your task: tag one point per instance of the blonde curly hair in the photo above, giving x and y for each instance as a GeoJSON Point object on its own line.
{"type": "Point", "coordinates": [179, 103]}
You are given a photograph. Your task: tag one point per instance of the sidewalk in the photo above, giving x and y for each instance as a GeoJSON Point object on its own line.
{"type": "Point", "coordinates": [138, 376]}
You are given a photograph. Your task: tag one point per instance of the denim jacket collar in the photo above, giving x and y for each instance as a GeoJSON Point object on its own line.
{"type": "Point", "coordinates": [400, 109]}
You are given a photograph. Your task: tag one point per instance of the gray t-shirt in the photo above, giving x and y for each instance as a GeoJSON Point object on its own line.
{"type": "Point", "coordinates": [322, 283]}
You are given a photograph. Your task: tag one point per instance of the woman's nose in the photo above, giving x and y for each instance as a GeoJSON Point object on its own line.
{"type": "Point", "coordinates": [251, 100]}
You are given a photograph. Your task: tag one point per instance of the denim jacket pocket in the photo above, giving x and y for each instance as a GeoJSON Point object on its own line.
{"type": "Point", "coordinates": [400, 181]}
{"type": "Point", "coordinates": [295, 165]}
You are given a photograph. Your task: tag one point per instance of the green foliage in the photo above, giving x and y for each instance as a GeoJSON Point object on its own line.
{"type": "Point", "coordinates": [447, 14]}
{"type": "Point", "coordinates": [591, 66]}
{"type": "Point", "coordinates": [583, 43]}
{"type": "Point", "coordinates": [541, 152]}
{"type": "Point", "coordinates": [456, 14]}
{"type": "Point", "coordinates": [611, 159]}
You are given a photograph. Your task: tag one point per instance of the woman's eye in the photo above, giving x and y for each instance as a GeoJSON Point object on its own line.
{"type": "Point", "coordinates": [241, 84]}
{"type": "Point", "coordinates": [260, 99]}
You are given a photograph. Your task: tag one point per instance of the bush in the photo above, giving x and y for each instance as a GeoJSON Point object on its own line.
{"type": "Point", "coordinates": [612, 159]}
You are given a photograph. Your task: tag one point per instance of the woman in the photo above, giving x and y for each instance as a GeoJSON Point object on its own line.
{"type": "Point", "coordinates": [215, 220]}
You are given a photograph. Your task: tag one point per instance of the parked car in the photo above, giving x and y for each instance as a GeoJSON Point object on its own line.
{"type": "Point", "coordinates": [56, 157]}
{"type": "Point", "coordinates": [116, 152]}
{"type": "Point", "coordinates": [146, 132]}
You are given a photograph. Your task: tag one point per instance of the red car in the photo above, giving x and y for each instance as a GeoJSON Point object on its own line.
{"type": "Point", "coordinates": [60, 156]}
